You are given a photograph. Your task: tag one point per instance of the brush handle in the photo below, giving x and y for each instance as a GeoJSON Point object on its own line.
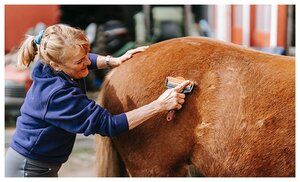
{"type": "Point", "coordinates": [171, 115]}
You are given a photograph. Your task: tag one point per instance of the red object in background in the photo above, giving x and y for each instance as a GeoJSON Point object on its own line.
{"type": "Point", "coordinates": [282, 26]}
{"type": "Point", "coordinates": [19, 18]}
{"type": "Point", "coordinates": [12, 73]}
{"type": "Point", "coordinates": [237, 24]}
{"type": "Point", "coordinates": [260, 37]}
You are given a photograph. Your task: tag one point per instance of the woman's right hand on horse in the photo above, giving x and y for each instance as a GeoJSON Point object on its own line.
{"type": "Point", "coordinates": [173, 98]}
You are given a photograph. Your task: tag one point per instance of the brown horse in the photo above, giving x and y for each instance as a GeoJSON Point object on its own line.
{"type": "Point", "coordinates": [238, 121]}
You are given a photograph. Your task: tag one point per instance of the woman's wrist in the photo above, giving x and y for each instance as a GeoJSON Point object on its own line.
{"type": "Point", "coordinates": [112, 62]}
{"type": "Point", "coordinates": [158, 105]}
{"type": "Point", "coordinates": [107, 61]}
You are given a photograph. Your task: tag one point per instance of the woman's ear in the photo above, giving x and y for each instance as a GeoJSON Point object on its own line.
{"type": "Point", "coordinates": [55, 66]}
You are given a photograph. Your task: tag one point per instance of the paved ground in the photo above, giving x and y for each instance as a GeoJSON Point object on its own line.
{"type": "Point", "coordinates": [81, 162]}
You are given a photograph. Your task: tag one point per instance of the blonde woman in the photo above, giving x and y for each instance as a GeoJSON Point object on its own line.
{"type": "Point", "coordinates": [56, 106]}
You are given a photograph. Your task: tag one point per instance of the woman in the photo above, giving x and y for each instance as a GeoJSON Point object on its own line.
{"type": "Point", "coordinates": [56, 106]}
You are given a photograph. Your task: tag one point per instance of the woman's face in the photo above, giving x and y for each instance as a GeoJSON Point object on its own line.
{"type": "Point", "coordinates": [76, 64]}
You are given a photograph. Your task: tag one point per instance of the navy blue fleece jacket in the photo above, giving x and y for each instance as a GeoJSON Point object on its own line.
{"type": "Point", "coordinates": [54, 110]}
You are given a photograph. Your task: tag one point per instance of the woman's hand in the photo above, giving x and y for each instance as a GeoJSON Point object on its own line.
{"type": "Point", "coordinates": [117, 61]}
{"type": "Point", "coordinates": [170, 99]}
{"type": "Point", "coordinates": [173, 98]}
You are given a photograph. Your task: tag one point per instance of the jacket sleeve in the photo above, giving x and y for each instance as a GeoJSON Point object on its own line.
{"type": "Point", "coordinates": [93, 59]}
{"type": "Point", "coordinates": [72, 111]}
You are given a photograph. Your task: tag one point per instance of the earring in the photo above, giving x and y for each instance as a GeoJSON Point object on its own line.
{"type": "Point", "coordinates": [57, 69]}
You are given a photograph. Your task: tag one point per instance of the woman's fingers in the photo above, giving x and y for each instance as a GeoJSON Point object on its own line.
{"type": "Point", "coordinates": [180, 101]}
{"type": "Point", "coordinates": [179, 106]}
{"type": "Point", "coordinates": [173, 98]}
{"type": "Point", "coordinates": [180, 87]}
{"type": "Point", "coordinates": [129, 53]}
{"type": "Point", "coordinates": [138, 49]}
{"type": "Point", "coordinates": [181, 95]}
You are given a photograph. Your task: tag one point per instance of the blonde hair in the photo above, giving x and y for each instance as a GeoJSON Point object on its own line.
{"type": "Point", "coordinates": [53, 45]}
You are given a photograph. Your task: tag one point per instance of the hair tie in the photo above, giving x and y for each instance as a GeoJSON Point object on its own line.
{"type": "Point", "coordinates": [38, 38]}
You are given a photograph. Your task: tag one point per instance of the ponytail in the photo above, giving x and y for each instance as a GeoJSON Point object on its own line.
{"type": "Point", "coordinates": [27, 52]}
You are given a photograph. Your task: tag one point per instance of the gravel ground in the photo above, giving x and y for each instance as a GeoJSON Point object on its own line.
{"type": "Point", "coordinates": [81, 162]}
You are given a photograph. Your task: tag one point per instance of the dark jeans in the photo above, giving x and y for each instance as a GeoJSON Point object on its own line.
{"type": "Point", "coordinates": [16, 165]}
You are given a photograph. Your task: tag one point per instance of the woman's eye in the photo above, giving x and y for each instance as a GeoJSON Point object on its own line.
{"type": "Point", "coordinates": [79, 62]}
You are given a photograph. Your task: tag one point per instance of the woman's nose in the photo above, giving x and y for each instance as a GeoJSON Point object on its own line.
{"type": "Point", "coordinates": [87, 61]}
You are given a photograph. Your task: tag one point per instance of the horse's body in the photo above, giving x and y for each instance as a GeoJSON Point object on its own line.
{"type": "Point", "coordinates": [238, 121]}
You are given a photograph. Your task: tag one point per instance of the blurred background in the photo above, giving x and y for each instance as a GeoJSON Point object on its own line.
{"type": "Point", "coordinates": [114, 29]}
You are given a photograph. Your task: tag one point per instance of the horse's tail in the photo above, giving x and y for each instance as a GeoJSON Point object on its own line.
{"type": "Point", "coordinates": [107, 164]}
{"type": "Point", "coordinates": [107, 161]}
